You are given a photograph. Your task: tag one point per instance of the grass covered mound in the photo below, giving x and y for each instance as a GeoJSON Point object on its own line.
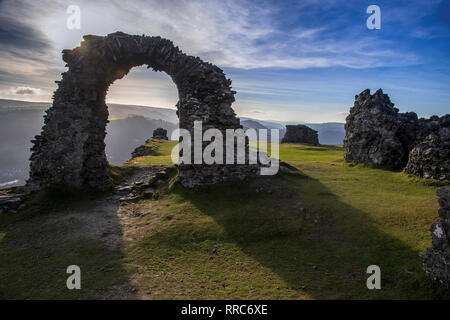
{"type": "Point", "coordinates": [155, 151]}
{"type": "Point", "coordinates": [308, 233]}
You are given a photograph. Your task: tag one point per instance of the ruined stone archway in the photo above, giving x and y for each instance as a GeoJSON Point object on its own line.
{"type": "Point", "coordinates": [71, 151]}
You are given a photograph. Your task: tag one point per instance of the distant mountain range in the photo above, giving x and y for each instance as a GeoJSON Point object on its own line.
{"type": "Point", "coordinates": [20, 121]}
{"type": "Point", "coordinates": [115, 110]}
{"type": "Point", "coordinates": [329, 132]}
{"type": "Point", "coordinates": [129, 127]}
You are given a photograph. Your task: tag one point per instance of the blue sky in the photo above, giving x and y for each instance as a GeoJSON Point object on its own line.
{"type": "Point", "coordinates": [289, 60]}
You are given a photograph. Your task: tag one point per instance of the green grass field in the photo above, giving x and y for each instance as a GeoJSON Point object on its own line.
{"type": "Point", "coordinates": [308, 233]}
{"type": "Point", "coordinates": [159, 153]}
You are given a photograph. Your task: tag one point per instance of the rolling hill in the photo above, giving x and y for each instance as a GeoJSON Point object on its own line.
{"type": "Point", "coordinates": [129, 127]}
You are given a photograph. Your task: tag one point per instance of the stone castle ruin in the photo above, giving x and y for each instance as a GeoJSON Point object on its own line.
{"type": "Point", "coordinates": [436, 260]}
{"type": "Point", "coordinates": [378, 135]}
{"type": "Point", "coordinates": [301, 134]}
{"type": "Point", "coordinates": [160, 133]}
{"type": "Point", "coordinates": [70, 151]}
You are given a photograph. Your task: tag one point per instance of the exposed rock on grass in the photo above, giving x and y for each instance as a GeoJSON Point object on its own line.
{"type": "Point", "coordinates": [143, 181]}
{"type": "Point", "coordinates": [436, 260]}
{"type": "Point", "coordinates": [12, 199]}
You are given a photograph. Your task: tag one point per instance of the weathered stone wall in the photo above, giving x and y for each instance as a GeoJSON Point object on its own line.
{"type": "Point", "coordinates": [160, 133]}
{"type": "Point", "coordinates": [374, 132]}
{"type": "Point", "coordinates": [300, 134]}
{"type": "Point", "coordinates": [436, 260]}
{"type": "Point", "coordinates": [71, 151]}
{"type": "Point", "coordinates": [430, 158]}
{"type": "Point", "coordinates": [378, 135]}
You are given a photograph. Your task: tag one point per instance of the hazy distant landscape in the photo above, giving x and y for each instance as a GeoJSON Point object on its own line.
{"type": "Point", "coordinates": [129, 127]}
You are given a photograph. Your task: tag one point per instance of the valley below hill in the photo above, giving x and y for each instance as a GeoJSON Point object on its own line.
{"type": "Point", "coordinates": [130, 126]}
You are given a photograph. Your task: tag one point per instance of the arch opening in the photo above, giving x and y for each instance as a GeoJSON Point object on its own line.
{"type": "Point", "coordinates": [138, 104]}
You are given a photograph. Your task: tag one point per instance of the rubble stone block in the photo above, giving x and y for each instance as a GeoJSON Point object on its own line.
{"type": "Point", "coordinates": [160, 133]}
{"type": "Point", "coordinates": [301, 134]}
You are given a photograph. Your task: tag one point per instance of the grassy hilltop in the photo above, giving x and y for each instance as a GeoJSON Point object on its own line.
{"type": "Point", "coordinates": [308, 233]}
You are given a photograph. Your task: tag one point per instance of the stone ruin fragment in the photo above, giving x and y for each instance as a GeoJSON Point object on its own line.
{"type": "Point", "coordinates": [378, 135]}
{"type": "Point", "coordinates": [430, 158]}
{"type": "Point", "coordinates": [160, 133]}
{"type": "Point", "coordinates": [301, 134]}
{"type": "Point", "coordinates": [70, 151]}
{"type": "Point", "coordinates": [436, 260]}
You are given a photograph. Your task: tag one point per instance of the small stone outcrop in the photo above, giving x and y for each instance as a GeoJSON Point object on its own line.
{"type": "Point", "coordinates": [160, 133]}
{"type": "Point", "coordinates": [301, 134]}
{"type": "Point", "coordinates": [378, 135]}
{"type": "Point", "coordinates": [436, 260]}
{"type": "Point", "coordinates": [12, 200]}
{"type": "Point", "coordinates": [144, 150]}
{"type": "Point", "coordinates": [143, 182]}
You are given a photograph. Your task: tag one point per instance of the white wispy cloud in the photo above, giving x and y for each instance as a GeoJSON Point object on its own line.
{"type": "Point", "coordinates": [234, 34]}
{"type": "Point", "coordinates": [229, 33]}
{"type": "Point", "coordinates": [27, 91]}
{"type": "Point", "coordinates": [22, 93]}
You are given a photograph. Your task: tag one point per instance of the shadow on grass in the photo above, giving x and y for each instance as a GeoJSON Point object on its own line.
{"type": "Point", "coordinates": [291, 224]}
{"type": "Point", "coordinates": [302, 232]}
{"type": "Point", "coordinates": [37, 246]}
